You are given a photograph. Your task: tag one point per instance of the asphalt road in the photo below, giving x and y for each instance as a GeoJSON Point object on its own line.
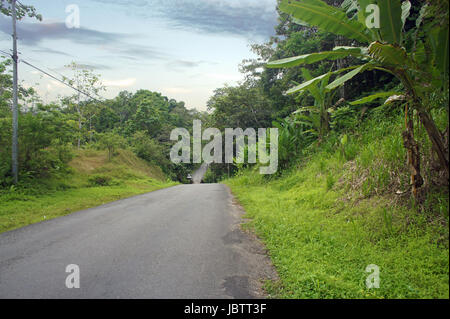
{"type": "Point", "coordinates": [180, 242]}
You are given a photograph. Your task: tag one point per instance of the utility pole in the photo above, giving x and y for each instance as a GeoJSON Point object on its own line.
{"type": "Point", "coordinates": [15, 112]}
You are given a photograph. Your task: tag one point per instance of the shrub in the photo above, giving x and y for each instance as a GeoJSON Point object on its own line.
{"type": "Point", "coordinates": [110, 141]}
{"type": "Point", "coordinates": [101, 180]}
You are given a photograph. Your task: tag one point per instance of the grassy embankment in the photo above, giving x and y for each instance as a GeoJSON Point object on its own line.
{"type": "Point", "coordinates": [342, 209]}
{"type": "Point", "coordinates": [94, 180]}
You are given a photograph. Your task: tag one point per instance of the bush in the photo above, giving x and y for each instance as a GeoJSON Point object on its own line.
{"type": "Point", "coordinates": [344, 119]}
{"type": "Point", "coordinates": [148, 149]}
{"type": "Point", "coordinates": [210, 177]}
{"type": "Point", "coordinates": [110, 141]}
{"type": "Point", "coordinates": [45, 134]}
{"type": "Point", "coordinates": [101, 180]}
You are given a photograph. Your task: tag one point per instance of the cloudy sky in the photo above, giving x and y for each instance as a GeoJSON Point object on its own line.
{"type": "Point", "coordinates": [181, 48]}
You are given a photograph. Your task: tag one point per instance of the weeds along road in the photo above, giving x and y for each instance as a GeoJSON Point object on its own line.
{"type": "Point", "coordinates": [180, 242]}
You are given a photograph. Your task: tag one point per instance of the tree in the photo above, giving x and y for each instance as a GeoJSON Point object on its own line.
{"type": "Point", "coordinates": [87, 85]}
{"type": "Point", "coordinates": [5, 89]}
{"type": "Point", "coordinates": [322, 102]}
{"type": "Point", "coordinates": [110, 141]}
{"type": "Point", "coordinates": [21, 10]}
{"type": "Point", "coordinates": [418, 59]}
{"type": "Point", "coordinates": [241, 106]}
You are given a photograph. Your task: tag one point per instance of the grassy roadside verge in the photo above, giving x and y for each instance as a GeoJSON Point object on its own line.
{"type": "Point", "coordinates": [124, 176]}
{"type": "Point", "coordinates": [321, 246]}
{"type": "Point", "coordinates": [325, 221]}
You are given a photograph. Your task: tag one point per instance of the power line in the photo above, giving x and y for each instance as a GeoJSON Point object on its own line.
{"type": "Point", "coordinates": [54, 77]}
{"type": "Point", "coordinates": [61, 81]}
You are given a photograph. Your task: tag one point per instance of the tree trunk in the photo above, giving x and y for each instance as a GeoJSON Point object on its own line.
{"type": "Point", "coordinates": [90, 130]}
{"type": "Point", "coordinates": [79, 130]}
{"type": "Point", "coordinates": [436, 139]}
{"type": "Point", "coordinates": [413, 155]}
{"type": "Point", "coordinates": [340, 63]}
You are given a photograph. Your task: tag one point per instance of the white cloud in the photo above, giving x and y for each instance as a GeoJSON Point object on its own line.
{"type": "Point", "coordinates": [224, 77]}
{"type": "Point", "coordinates": [120, 83]}
{"type": "Point", "coordinates": [57, 84]}
{"type": "Point", "coordinates": [177, 90]}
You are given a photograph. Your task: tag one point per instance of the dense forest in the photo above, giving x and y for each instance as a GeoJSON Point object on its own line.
{"type": "Point", "coordinates": [141, 121]}
{"type": "Point", "coordinates": [362, 112]}
{"type": "Point", "coordinates": [344, 82]}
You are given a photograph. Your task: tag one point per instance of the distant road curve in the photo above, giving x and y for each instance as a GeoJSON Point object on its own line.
{"type": "Point", "coordinates": [180, 242]}
{"type": "Point", "coordinates": [198, 175]}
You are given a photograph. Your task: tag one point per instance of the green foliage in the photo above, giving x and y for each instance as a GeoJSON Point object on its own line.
{"type": "Point", "coordinates": [210, 177]}
{"type": "Point", "coordinates": [414, 60]}
{"type": "Point", "coordinates": [330, 181]}
{"type": "Point", "coordinates": [241, 106]}
{"type": "Point", "coordinates": [319, 14]}
{"type": "Point", "coordinates": [322, 229]}
{"type": "Point", "coordinates": [291, 139]}
{"type": "Point", "coordinates": [110, 141]}
{"type": "Point", "coordinates": [374, 97]}
{"type": "Point", "coordinates": [44, 135]}
{"type": "Point", "coordinates": [312, 58]}
{"type": "Point", "coordinates": [344, 119]}
{"type": "Point", "coordinates": [21, 10]}
{"type": "Point", "coordinates": [147, 148]}
{"type": "Point", "coordinates": [141, 121]}
{"type": "Point", "coordinates": [387, 55]}
{"type": "Point", "coordinates": [101, 180]}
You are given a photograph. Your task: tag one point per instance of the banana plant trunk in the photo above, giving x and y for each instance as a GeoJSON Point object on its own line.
{"type": "Point", "coordinates": [436, 139]}
{"type": "Point", "coordinates": [412, 148]}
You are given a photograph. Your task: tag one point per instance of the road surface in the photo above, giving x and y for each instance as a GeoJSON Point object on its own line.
{"type": "Point", "coordinates": [179, 242]}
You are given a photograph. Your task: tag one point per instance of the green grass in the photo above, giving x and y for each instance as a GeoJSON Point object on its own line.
{"type": "Point", "coordinates": [44, 200]}
{"type": "Point", "coordinates": [324, 222]}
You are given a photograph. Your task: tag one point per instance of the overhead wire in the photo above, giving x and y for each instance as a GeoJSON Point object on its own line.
{"type": "Point", "coordinates": [59, 80]}
{"type": "Point", "coordinates": [53, 77]}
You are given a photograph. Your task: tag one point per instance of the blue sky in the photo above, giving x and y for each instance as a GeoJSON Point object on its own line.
{"type": "Point", "coordinates": [181, 48]}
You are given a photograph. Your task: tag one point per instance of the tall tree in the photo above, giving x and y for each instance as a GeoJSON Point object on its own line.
{"type": "Point", "coordinates": [88, 86]}
{"type": "Point", "coordinates": [421, 64]}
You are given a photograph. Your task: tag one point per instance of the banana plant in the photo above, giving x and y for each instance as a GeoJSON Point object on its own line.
{"type": "Point", "coordinates": [377, 28]}
{"type": "Point", "coordinates": [322, 102]}
{"type": "Point", "coordinates": [290, 141]}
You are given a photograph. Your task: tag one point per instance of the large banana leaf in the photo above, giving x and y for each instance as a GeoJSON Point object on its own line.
{"type": "Point", "coordinates": [355, 51]}
{"type": "Point", "coordinates": [311, 109]}
{"type": "Point", "coordinates": [388, 54]}
{"type": "Point", "coordinates": [390, 20]}
{"type": "Point", "coordinates": [406, 10]}
{"type": "Point", "coordinates": [363, 14]}
{"type": "Point", "coordinates": [341, 80]}
{"type": "Point", "coordinates": [311, 58]}
{"type": "Point", "coordinates": [422, 13]}
{"type": "Point", "coordinates": [350, 5]}
{"type": "Point", "coordinates": [313, 89]}
{"type": "Point", "coordinates": [334, 20]}
{"type": "Point", "coordinates": [300, 22]}
{"type": "Point", "coordinates": [441, 54]}
{"type": "Point", "coordinates": [374, 97]}
{"type": "Point", "coordinates": [306, 85]}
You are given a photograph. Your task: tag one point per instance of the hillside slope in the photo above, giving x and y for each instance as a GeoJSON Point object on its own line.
{"type": "Point", "coordinates": [92, 180]}
{"type": "Point", "coordinates": [344, 208]}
